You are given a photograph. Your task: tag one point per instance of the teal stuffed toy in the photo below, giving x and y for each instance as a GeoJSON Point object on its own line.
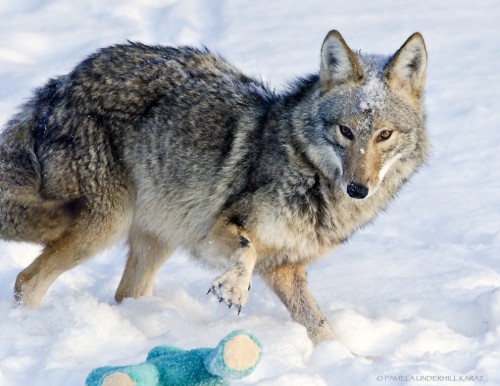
{"type": "Point", "coordinates": [235, 357]}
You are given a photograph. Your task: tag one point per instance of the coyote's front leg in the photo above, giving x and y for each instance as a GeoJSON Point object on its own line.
{"type": "Point", "coordinates": [233, 285]}
{"type": "Point", "coordinates": [289, 282]}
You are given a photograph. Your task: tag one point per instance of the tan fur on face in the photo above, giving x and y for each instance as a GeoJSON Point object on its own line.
{"type": "Point", "coordinates": [363, 165]}
{"type": "Point", "coordinates": [366, 157]}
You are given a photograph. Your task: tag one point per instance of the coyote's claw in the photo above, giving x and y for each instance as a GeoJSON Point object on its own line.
{"type": "Point", "coordinates": [231, 289]}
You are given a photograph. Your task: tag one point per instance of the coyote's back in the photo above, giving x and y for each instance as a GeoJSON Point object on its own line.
{"type": "Point", "coordinates": [176, 148]}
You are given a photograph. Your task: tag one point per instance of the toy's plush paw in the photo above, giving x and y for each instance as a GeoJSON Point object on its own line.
{"type": "Point", "coordinates": [232, 289]}
{"type": "Point", "coordinates": [235, 357]}
{"type": "Point", "coordinates": [241, 353]}
{"type": "Point", "coordinates": [118, 379]}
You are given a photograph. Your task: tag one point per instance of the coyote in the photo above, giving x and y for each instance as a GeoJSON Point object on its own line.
{"type": "Point", "coordinates": [175, 147]}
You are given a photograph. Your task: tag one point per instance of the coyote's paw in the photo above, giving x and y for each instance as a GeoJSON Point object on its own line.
{"type": "Point", "coordinates": [25, 291]}
{"type": "Point", "coordinates": [231, 289]}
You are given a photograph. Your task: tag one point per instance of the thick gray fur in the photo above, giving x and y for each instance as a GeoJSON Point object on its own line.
{"type": "Point", "coordinates": [177, 148]}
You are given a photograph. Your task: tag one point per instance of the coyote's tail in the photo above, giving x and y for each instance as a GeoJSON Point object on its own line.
{"type": "Point", "coordinates": [27, 217]}
{"type": "Point", "coordinates": [24, 214]}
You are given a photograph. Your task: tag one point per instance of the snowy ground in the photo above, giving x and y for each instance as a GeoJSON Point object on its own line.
{"type": "Point", "coordinates": [415, 294]}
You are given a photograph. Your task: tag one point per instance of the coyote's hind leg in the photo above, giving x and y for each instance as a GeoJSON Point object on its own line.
{"type": "Point", "coordinates": [92, 232]}
{"type": "Point", "coordinates": [146, 255]}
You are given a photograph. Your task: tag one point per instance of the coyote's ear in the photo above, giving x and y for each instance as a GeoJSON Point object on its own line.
{"type": "Point", "coordinates": [406, 70]}
{"type": "Point", "coordinates": [338, 63]}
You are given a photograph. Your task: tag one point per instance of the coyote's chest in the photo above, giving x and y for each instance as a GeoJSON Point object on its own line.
{"type": "Point", "coordinates": [279, 235]}
{"type": "Point", "coordinates": [299, 235]}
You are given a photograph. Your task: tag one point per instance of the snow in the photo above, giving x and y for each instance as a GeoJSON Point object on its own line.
{"type": "Point", "coordinates": [414, 295]}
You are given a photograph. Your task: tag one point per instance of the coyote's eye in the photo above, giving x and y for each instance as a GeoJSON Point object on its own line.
{"type": "Point", "coordinates": [346, 132]}
{"type": "Point", "coordinates": [384, 135]}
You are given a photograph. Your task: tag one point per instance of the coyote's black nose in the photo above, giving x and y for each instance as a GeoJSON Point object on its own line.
{"type": "Point", "coordinates": [357, 191]}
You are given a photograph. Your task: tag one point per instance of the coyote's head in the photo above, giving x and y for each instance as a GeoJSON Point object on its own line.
{"type": "Point", "coordinates": [367, 117]}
